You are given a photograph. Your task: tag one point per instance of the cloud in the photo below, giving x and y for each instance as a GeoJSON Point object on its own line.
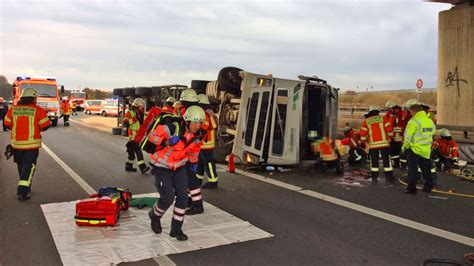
{"type": "Point", "coordinates": [108, 44]}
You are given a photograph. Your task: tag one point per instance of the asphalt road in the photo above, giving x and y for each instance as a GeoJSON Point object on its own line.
{"type": "Point", "coordinates": [307, 231]}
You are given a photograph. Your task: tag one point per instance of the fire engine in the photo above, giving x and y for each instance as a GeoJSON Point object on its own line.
{"type": "Point", "coordinates": [48, 94]}
{"type": "Point", "coordinates": [79, 98]}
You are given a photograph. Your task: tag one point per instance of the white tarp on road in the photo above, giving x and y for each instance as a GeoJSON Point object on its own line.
{"type": "Point", "coordinates": [133, 239]}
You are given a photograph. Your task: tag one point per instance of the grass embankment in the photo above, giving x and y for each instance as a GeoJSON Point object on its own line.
{"type": "Point", "coordinates": [380, 98]}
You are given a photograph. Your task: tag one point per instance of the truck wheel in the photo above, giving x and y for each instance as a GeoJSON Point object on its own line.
{"type": "Point", "coordinates": [124, 132]}
{"type": "Point", "coordinates": [229, 80]}
{"type": "Point", "coordinates": [199, 86]}
{"type": "Point", "coordinates": [116, 131]}
{"type": "Point", "coordinates": [118, 92]}
{"type": "Point", "coordinates": [129, 92]}
{"type": "Point", "coordinates": [54, 122]}
{"type": "Point", "coordinates": [104, 114]}
{"type": "Point", "coordinates": [143, 91]}
{"type": "Point", "coordinates": [87, 112]}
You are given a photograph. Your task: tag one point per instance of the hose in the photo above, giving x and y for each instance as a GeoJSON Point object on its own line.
{"type": "Point", "coordinates": [436, 190]}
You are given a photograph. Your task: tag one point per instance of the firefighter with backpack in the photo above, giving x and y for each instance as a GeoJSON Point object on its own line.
{"type": "Point", "coordinates": [177, 144]}
{"type": "Point", "coordinates": [133, 119]}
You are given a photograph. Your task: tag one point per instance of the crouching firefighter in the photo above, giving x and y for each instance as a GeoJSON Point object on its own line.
{"type": "Point", "coordinates": [357, 155]}
{"type": "Point", "coordinates": [176, 146]}
{"type": "Point", "coordinates": [326, 153]}
{"type": "Point", "coordinates": [26, 121]}
{"type": "Point", "coordinates": [133, 118]}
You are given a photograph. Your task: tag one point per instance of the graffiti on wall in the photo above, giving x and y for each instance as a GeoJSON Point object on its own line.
{"type": "Point", "coordinates": [453, 80]}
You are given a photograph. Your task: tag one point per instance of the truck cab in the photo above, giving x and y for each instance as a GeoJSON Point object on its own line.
{"type": "Point", "coordinates": [48, 94]}
{"type": "Point", "coordinates": [79, 98]}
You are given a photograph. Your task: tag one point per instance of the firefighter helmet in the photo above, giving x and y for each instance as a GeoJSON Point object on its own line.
{"type": "Point", "coordinates": [194, 114]}
{"type": "Point", "coordinates": [412, 102]}
{"type": "Point", "coordinates": [346, 129]}
{"type": "Point", "coordinates": [444, 132]}
{"type": "Point", "coordinates": [170, 100]}
{"type": "Point", "coordinates": [374, 108]}
{"type": "Point", "coordinates": [29, 92]}
{"type": "Point", "coordinates": [189, 95]}
{"type": "Point", "coordinates": [203, 99]}
{"type": "Point", "coordinates": [138, 102]}
{"type": "Point", "coordinates": [176, 104]}
{"type": "Point", "coordinates": [390, 104]}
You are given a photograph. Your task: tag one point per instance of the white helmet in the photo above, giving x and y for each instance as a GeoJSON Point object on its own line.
{"type": "Point", "coordinates": [390, 104]}
{"type": "Point", "coordinates": [444, 132]}
{"type": "Point", "coordinates": [374, 108]}
{"type": "Point", "coordinates": [412, 102]}
{"type": "Point", "coordinates": [171, 100]}
{"type": "Point", "coordinates": [194, 114]}
{"type": "Point", "coordinates": [138, 102]}
{"type": "Point", "coordinates": [189, 95]}
{"type": "Point", "coordinates": [29, 92]}
{"type": "Point", "coordinates": [176, 104]}
{"type": "Point", "coordinates": [203, 99]}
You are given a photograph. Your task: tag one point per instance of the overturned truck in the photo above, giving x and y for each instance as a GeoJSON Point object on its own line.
{"type": "Point", "coordinates": [266, 120]}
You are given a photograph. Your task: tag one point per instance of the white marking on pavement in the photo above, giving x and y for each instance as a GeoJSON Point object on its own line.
{"type": "Point", "coordinates": [163, 260]}
{"type": "Point", "coordinates": [375, 213]}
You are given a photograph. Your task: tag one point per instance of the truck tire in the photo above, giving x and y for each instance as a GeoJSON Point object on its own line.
{"type": "Point", "coordinates": [129, 92]}
{"type": "Point", "coordinates": [54, 122]}
{"type": "Point", "coordinates": [229, 80]}
{"type": "Point", "coordinates": [118, 92]}
{"type": "Point", "coordinates": [199, 86]}
{"type": "Point", "coordinates": [104, 113]}
{"type": "Point", "coordinates": [124, 132]}
{"type": "Point", "coordinates": [143, 91]}
{"type": "Point", "coordinates": [116, 131]}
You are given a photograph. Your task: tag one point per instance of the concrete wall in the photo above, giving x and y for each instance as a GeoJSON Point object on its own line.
{"type": "Point", "coordinates": [456, 67]}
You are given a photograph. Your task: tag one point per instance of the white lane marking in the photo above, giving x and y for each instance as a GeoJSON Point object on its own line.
{"type": "Point", "coordinates": [163, 260]}
{"type": "Point", "coordinates": [375, 213]}
{"type": "Point", "coordinates": [75, 121]}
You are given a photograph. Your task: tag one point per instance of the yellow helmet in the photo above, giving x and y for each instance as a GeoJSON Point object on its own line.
{"type": "Point", "coordinates": [444, 132]}
{"type": "Point", "coordinates": [194, 114]}
{"type": "Point", "coordinates": [171, 100]}
{"type": "Point", "coordinates": [138, 102]}
{"type": "Point", "coordinates": [374, 108]}
{"type": "Point", "coordinates": [203, 99]}
{"type": "Point", "coordinates": [29, 92]}
{"type": "Point", "coordinates": [412, 102]}
{"type": "Point", "coordinates": [189, 95]}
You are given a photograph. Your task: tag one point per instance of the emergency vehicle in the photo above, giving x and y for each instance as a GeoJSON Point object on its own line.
{"type": "Point", "coordinates": [48, 94]}
{"type": "Point", "coordinates": [110, 107]}
{"type": "Point", "coordinates": [79, 98]}
{"type": "Point", "coordinates": [93, 106]}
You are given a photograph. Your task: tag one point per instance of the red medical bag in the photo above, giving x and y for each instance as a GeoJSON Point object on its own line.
{"type": "Point", "coordinates": [103, 211]}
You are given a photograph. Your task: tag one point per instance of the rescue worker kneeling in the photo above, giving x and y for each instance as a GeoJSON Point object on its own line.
{"type": "Point", "coordinates": [357, 155]}
{"type": "Point", "coordinates": [329, 156]}
{"type": "Point", "coordinates": [179, 145]}
{"type": "Point", "coordinates": [445, 151]}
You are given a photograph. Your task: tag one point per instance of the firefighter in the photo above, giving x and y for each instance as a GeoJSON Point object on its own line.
{"type": "Point", "coordinates": [418, 139]}
{"type": "Point", "coordinates": [430, 114]}
{"type": "Point", "coordinates": [377, 131]}
{"type": "Point", "coordinates": [168, 106]}
{"type": "Point", "coordinates": [3, 112]}
{"type": "Point", "coordinates": [133, 119]}
{"type": "Point", "coordinates": [445, 151]}
{"type": "Point", "coordinates": [357, 154]}
{"type": "Point", "coordinates": [188, 98]}
{"type": "Point", "coordinates": [180, 145]}
{"type": "Point", "coordinates": [26, 121]}
{"type": "Point", "coordinates": [65, 111]}
{"type": "Point", "coordinates": [406, 116]}
{"type": "Point", "coordinates": [206, 156]}
{"type": "Point", "coordinates": [395, 116]}
{"type": "Point", "coordinates": [329, 156]}
{"type": "Point", "coordinates": [74, 108]}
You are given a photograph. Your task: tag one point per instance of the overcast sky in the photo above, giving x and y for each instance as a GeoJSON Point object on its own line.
{"type": "Point", "coordinates": [112, 44]}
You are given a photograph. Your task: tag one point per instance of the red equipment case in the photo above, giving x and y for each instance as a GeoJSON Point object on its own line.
{"type": "Point", "coordinates": [102, 211]}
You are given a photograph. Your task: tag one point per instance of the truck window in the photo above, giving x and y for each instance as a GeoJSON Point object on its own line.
{"type": "Point", "coordinates": [262, 119]}
{"type": "Point", "coordinates": [280, 122]}
{"type": "Point", "coordinates": [251, 119]}
{"type": "Point", "coordinates": [44, 90]}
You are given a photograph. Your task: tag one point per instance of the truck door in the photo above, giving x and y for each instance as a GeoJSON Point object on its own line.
{"type": "Point", "coordinates": [258, 117]}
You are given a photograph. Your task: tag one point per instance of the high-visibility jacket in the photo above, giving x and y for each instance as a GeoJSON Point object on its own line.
{"type": "Point", "coordinates": [73, 105]}
{"type": "Point", "coordinates": [377, 131]}
{"type": "Point", "coordinates": [448, 148]}
{"type": "Point", "coordinates": [65, 108]}
{"type": "Point", "coordinates": [154, 112]}
{"type": "Point", "coordinates": [327, 149]}
{"type": "Point", "coordinates": [26, 121]}
{"type": "Point", "coordinates": [210, 125]}
{"type": "Point", "coordinates": [396, 120]}
{"type": "Point", "coordinates": [132, 116]}
{"type": "Point", "coordinates": [354, 138]}
{"type": "Point", "coordinates": [406, 116]}
{"type": "Point", "coordinates": [167, 109]}
{"type": "Point", "coordinates": [418, 135]}
{"type": "Point", "coordinates": [179, 111]}
{"type": "Point", "coordinates": [176, 156]}
{"type": "Point", "coordinates": [431, 116]}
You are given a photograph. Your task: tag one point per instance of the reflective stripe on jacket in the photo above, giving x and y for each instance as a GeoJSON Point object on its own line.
{"type": "Point", "coordinates": [327, 149]}
{"type": "Point", "coordinates": [419, 135]}
{"type": "Point", "coordinates": [377, 131]}
{"type": "Point", "coordinates": [210, 125]}
{"type": "Point", "coordinates": [134, 124]}
{"type": "Point", "coordinates": [448, 148]}
{"type": "Point", "coordinates": [26, 122]}
{"type": "Point", "coordinates": [65, 108]}
{"type": "Point", "coordinates": [354, 138]}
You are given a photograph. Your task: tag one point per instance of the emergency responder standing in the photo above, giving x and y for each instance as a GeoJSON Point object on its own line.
{"type": "Point", "coordinates": [74, 108]}
{"type": "Point", "coordinates": [357, 155]}
{"type": "Point", "coordinates": [65, 111]}
{"type": "Point", "coordinates": [168, 106]}
{"type": "Point", "coordinates": [3, 112]}
{"type": "Point", "coordinates": [445, 151]}
{"type": "Point", "coordinates": [207, 162]}
{"type": "Point", "coordinates": [376, 130]}
{"type": "Point", "coordinates": [395, 116]}
{"type": "Point", "coordinates": [417, 142]}
{"type": "Point", "coordinates": [180, 145]}
{"type": "Point", "coordinates": [26, 121]}
{"type": "Point", "coordinates": [133, 118]}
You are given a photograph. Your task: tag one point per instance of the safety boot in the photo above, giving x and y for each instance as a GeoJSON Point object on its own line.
{"type": "Point", "coordinates": [23, 197]}
{"type": "Point", "coordinates": [129, 167]}
{"type": "Point", "coordinates": [210, 185]}
{"type": "Point", "coordinates": [155, 222]}
{"type": "Point", "coordinates": [179, 235]}
{"type": "Point", "coordinates": [144, 169]}
{"type": "Point", "coordinates": [195, 209]}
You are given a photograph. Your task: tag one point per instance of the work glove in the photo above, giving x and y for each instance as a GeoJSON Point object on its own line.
{"type": "Point", "coordinates": [194, 167]}
{"type": "Point", "coordinates": [173, 140]}
{"type": "Point", "coordinates": [9, 151]}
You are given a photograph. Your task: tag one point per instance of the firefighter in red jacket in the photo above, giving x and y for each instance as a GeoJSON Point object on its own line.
{"type": "Point", "coordinates": [395, 116]}
{"type": "Point", "coordinates": [133, 119]}
{"type": "Point", "coordinates": [180, 145]}
{"type": "Point", "coordinates": [357, 155]}
{"type": "Point", "coordinates": [445, 151]}
{"type": "Point", "coordinates": [377, 132]}
{"type": "Point", "coordinates": [26, 121]}
{"type": "Point", "coordinates": [206, 156]}
{"type": "Point", "coordinates": [65, 111]}
{"type": "Point", "coordinates": [168, 106]}
{"type": "Point", "coordinates": [327, 154]}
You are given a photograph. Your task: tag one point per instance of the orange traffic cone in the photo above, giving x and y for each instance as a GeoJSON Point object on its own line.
{"type": "Point", "coordinates": [231, 165]}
